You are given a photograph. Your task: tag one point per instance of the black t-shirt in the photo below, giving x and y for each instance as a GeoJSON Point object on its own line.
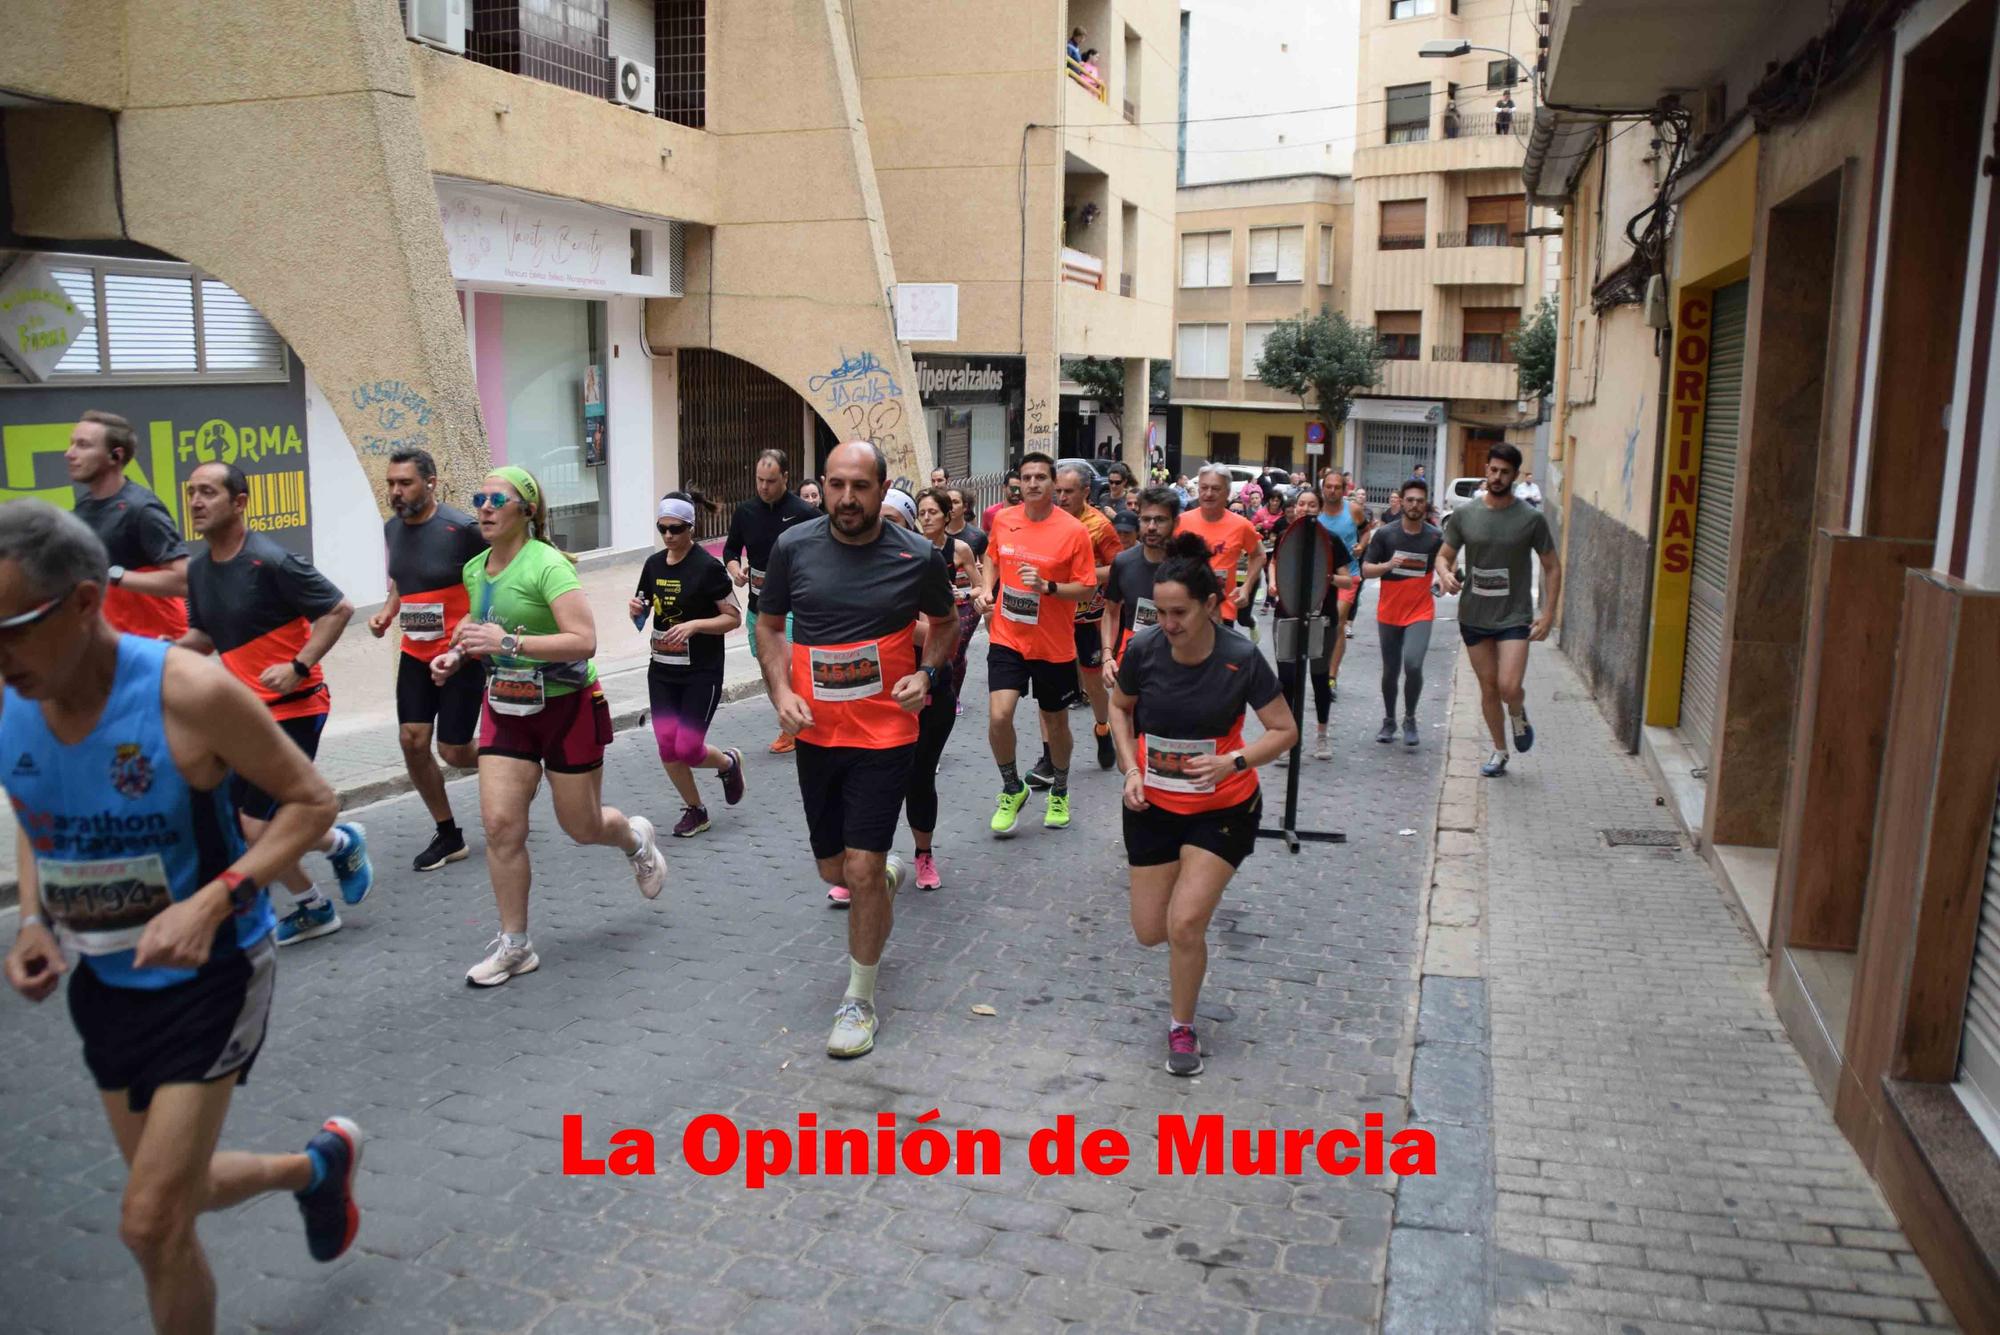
{"type": "Point", "coordinates": [838, 592]}
{"type": "Point", "coordinates": [430, 556]}
{"type": "Point", "coordinates": [693, 590]}
{"type": "Point", "coordinates": [755, 529]}
{"type": "Point", "coordinates": [974, 537]}
{"type": "Point", "coordinates": [258, 608]}
{"type": "Point", "coordinates": [134, 526]}
{"type": "Point", "coordinates": [1130, 585]}
{"type": "Point", "coordinates": [1185, 709]}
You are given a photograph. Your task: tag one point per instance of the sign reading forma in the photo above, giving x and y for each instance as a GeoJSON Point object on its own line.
{"type": "Point", "coordinates": [506, 237]}
{"type": "Point", "coordinates": [1680, 487]}
{"type": "Point", "coordinates": [260, 428]}
{"type": "Point", "coordinates": [38, 321]}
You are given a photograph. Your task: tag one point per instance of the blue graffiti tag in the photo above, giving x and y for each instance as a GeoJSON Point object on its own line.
{"type": "Point", "coordinates": [400, 414]}
{"type": "Point", "coordinates": [860, 378]}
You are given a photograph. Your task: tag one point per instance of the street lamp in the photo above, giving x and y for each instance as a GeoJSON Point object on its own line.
{"type": "Point", "coordinates": [1452, 50]}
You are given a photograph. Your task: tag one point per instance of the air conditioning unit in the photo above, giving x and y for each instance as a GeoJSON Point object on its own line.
{"type": "Point", "coordinates": [631, 83]}
{"type": "Point", "coordinates": [438, 23]}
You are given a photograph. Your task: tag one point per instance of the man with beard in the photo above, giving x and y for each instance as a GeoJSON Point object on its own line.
{"type": "Point", "coordinates": [755, 529]}
{"type": "Point", "coordinates": [1128, 591]}
{"type": "Point", "coordinates": [429, 544]}
{"type": "Point", "coordinates": [148, 578]}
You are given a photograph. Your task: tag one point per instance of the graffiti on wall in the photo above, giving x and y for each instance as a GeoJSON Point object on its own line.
{"type": "Point", "coordinates": [1041, 432]}
{"type": "Point", "coordinates": [864, 401]}
{"type": "Point", "coordinates": [398, 416]}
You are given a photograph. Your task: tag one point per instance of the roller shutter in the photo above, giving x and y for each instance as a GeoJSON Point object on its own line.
{"type": "Point", "coordinates": [1979, 1057]}
{"type": "Point", "coordinates": [1715, 509]}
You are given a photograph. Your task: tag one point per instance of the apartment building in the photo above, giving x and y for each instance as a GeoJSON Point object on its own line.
{"type": "Point", "coordinates": [1445, 267]}
{"type": "Point", "coordinates": [1821, 552]}
{"type": "Point", "coordinates": [582, 236]}
{"type": "Point", "coordinates": [1253, 253]}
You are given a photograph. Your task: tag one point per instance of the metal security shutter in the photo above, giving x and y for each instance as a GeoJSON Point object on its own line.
{"type": "Point", "coordinates": [1979, 1054]}
{"type": "Point", "coordinates": [1715, 509]}
{"type": "Point", "coordinates": [1390, 453]}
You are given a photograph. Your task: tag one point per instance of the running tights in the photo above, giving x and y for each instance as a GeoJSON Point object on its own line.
{"type": "Point", "coordinates": [1288, 678]}
{"type": "Point", "coordinates": [968, 622]}
{"type": "Point", "coordinates": [1403, 647]}
{"type": "Point", "coordinates": [933, 731]}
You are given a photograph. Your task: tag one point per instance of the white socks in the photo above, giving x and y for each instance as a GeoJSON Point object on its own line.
{"type": "Point", "coordinates": [861, 979]}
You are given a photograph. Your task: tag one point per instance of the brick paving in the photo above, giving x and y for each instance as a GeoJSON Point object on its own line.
{"type": "Point", "coordinates": [717, 998]}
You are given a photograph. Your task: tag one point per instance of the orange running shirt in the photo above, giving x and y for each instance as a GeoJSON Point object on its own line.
{"type": "Point", "coordinates": [1039, 626]}
{"type": "Point", "coordinates": [1104, 542]}
{"type": "Point", "coordinates": [1229, 539]}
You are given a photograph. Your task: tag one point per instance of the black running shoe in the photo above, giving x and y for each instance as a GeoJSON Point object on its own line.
{"type": "Point", "coordinates": [448, 846]}
{"type": "Point", "coordinates": [1409, 732]}
{"type": "Point", "coordinates": [1043, 775]}
{"type": "Point", "coordinates": [332, 1218]}
{"type": "Point", "coordinates": [1387, 732]}
{"type": "Point", "coordinates": [1107, 754]}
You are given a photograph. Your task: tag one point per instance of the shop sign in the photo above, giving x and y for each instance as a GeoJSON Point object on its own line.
{"type": "Point", "coordinates": [259, 428]}
{"type": "Point", "coordinates": [38, 321]}
{"type": "Point", "coordinates": [507, 239]}
{"type": "Point", "coordinates": [1680, 486]}
{"type": "Point", "coordinates": [927, 312]}
{"type": "Point", "coordinates": [969, 379]}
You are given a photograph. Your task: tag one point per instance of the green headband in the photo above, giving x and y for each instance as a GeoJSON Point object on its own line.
{"type": "Point", "coordinates": [523, 483]}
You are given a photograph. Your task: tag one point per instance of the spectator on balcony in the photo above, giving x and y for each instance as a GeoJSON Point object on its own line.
{"type": "Point", "coordinates": [1087, 74]}
{"type": "Point", "coordinates": [1075, 51]}
{"type": "Point", "coordinates": [1503, 114]}
{"type": "Point", "coordinates": [1451, 118]}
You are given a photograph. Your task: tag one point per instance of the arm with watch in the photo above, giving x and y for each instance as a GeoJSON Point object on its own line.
{"type": "Point", "coordinates": [938, 636]}
{"type": "Point", "coordinates": [326, 629]}
{"type": "Point", "coordinates": [170, 580]}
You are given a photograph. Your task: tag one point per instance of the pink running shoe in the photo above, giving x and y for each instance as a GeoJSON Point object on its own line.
{"type": "Point", "coordinates": [838, 897]}
{"type": "Point", "coordinates": [927, 872]}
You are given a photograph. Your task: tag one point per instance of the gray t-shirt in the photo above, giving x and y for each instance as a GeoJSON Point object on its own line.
{"type": "Point", "coordinates": [1497, 548]}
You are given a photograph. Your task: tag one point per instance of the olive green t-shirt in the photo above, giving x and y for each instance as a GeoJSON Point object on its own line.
{"type": "Point", "coordinates": [520, 600]}
{"type": "Point", "coordinates": [1498, 550]}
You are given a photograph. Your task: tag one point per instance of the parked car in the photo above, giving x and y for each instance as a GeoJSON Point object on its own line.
{"type": "Point", "coordinates": [1462, 491]}
{"type": "Point", "coordinates": [1238, 473]}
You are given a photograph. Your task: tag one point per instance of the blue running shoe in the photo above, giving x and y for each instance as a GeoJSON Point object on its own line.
{"type": "Point", "coordinates": [356, 872]}
{"type": "Point", "coordinates": [332, 1218]}
{"type": "Point", "coordinates": [1524, 733]}
{"type": "Point", "coordinates": [303, 924]}
{"type": "Point", "coordinates": [1495, 766]}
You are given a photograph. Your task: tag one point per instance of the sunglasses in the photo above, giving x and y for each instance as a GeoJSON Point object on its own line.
{"type": "Point", "coordinates": [496, 500]}
{"type": "Point", "coordinates": [673, 530]}
{"type": "Point", "coordinates": [35, 615]}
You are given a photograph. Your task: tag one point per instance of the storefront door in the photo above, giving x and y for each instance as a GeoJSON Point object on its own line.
{"type": "Point", "coordinates": [552, 353]}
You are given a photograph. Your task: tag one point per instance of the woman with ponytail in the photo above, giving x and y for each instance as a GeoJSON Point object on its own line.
{"type": "Point", "coordinates": [531, 628]}
{"type": "Point", "coordinates": [1191, 797]}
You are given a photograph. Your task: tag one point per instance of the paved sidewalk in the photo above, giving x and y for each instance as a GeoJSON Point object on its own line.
{"type": "Point", "coordinates": [1664, 1162]}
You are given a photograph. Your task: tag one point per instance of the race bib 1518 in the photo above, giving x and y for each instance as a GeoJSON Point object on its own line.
{"type": "Point", "coordinates": [846, 674]}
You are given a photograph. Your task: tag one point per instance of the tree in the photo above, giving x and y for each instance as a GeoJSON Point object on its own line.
{"type": "Point", "coordinates": [1104, 380]}
{"type": "Point", "coordinates": [1322, 357]}
{"type": "Point", "coordinates": [1534, 345]}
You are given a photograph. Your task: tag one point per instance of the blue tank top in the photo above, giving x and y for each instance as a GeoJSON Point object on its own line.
{"type": "Point", "coordinates": [1342, 526]}
{"type": "Point", "coordinates": [117, 833]}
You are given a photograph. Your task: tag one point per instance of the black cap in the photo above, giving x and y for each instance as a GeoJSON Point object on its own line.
{"type": "Point", "coordinates": [1126, 521]}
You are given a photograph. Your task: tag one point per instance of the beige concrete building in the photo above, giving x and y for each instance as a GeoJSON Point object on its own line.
{"type": "Point", "coordinates": [1253, 253]}
{"type": "Point", "coordinates": [588, 238]}
{"type": "Point", "coordinates": [1443, 267]}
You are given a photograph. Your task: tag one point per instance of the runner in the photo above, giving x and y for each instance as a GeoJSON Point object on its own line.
{"type": "Point", "coordinates": [1041, 562]}
{"type": "Point", "coordinates": [122, 752]}
{"type": "Point", "coordinates": [1073, 495]}
{"type": "Point", "coordinates": [849, 686]}
{"type": "Point", "coordinates": [961, 525]}
{"type": "Point", "coordinates": [271, 617]}
{"type": "Point", "coordinates": [1128, 588]}
{"type": "Point", "coordinates": [962, 558]}
{"type": "Point", "coordinates": [1232, 540]}
{"type": "Point", "coordinates": [756, 527]}
{"type": "Point", "coordinates": [1126, 524]}
{"type": "Point", "coordinates": [1337, 517]}
{"type": "Point", "coordinates": [1117, 490]}
{"type": "Point", "coordinates": [429, 545]}
{"type": "Point", "coordinates": [1013, 498]}
{"type": "Point", "coordinates": [544, 712]}
{"type": "Point", "coordinates": [1191, 795]}
{"type": "Point", "coordinates": [1402, 556]}
{"type": "Point", "coordinates": [942, 707]}
{"type": "Point", "coordinates": [148, 575]}
{"type": "Point", "coordinates": [1496, 617]}
{"type": "Point", "coordinates": [1306, 511]}
{"type": "Point", "coordinates": [689, 597]}
{"type": "Point", "coordinates": [809, 493]}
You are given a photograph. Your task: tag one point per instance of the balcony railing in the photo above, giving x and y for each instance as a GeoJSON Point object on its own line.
{"type": "Point", "coordinates": [1406, 241]}
{"type": "Point", "coordinates": [1083, 269]}
{"type": "Point", "coordinates": [1488, 349]}
{"type": "Point", "coordinates": [1089, 77]}
{"type": "Point", "coordinates": [1485, 234]}
{"type": "Point", "coordinates": [1468, 125]}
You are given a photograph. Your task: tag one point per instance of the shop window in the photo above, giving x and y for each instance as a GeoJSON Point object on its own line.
{"type": "Point", "coordinates": [1201, 352]}
{"type": "Point", "coordinates": [1402, 225]}
{"type": "Point", "coordinates": [1205, 259]}
{"type": "Point", "coordinates": [1502, 74]}
{"type": "Point", "coordinates": [1253, 346]}
{"type": "Point", "coordinates": [1400, 333]}
{"type": "Point", "coordinates": [1277, 254]}
{"type": "Point", "coordinates": [1489, 333]}
{"type": "Point", "coordinates": [160, 321]}
{"type": "Point", "coordinates": [1224, 447]}
{"type": "Point", "coordinates": [552, 372]}
{"type": "Point", "coordinates": [1409, 116]}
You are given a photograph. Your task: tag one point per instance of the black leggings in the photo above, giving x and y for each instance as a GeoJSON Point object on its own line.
{"type": "Point", "coordinates": [1288, 678]}
{"type": "Point", "coordinates": [934, 726]}
{"type": "Point", "coordinates": [1403, 647]}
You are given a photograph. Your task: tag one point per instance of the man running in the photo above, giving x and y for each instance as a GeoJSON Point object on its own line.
{"type": "Point", "coordinates": [756, 527]}
{"type": "Point", "coordinates": [1040, 564]}
{"type": "Point", "coordinates": [121, 751]}
{"type": "Point", "coordinates": [1232, 540]}
{"type": "Point", "coordinates": [849, 687]}
{"type": "Point", "coordinates": [1401, 555]}
{"type": "Point", "coordinates": [271, 617]}
{"type": "Point", "coordinates": [148, 574]}
{"type": "Point", "coordinates": [1128, 588]}
{"type": "Point", "coordinates": [1073, 495]}
{"type": "Point", "coordinates": [1013, 498]}
{"type": "Point", "coordinates": [429, 544]}
{"type": "Point", "coordinates": [1496, 617]}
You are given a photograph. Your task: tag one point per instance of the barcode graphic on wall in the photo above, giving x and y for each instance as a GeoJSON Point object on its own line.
{"type": "Point", "coordinates": [277, 500]}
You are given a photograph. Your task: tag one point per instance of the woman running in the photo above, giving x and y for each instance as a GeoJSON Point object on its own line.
{"type": "Point", "coordinates": [809, 493]}
{"type": "Point", "coordinates": [692, 601]}
{"type": "Point", "coordinates": [1306, 510]}
{"type": "Point", "coordinates": [941, 709]}
{"type": "Point", "coordinates": [1191, 796]}
{"type": "Point", "coordinates": [1400, 555]}
{"type": "Point", "coordinates": [543, 713]}
{"type": "Point", "coordinates": [961, 558]}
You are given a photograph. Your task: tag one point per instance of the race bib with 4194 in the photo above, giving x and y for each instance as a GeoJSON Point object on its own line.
{"type": "Point", "coordinates": [101, 908]}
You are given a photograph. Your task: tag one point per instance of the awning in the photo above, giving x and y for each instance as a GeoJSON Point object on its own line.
{"type": "Point", "coordinates": [1559, 145]}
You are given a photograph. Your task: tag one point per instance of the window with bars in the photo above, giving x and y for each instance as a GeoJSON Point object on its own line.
{"type": "Point", "coordinates": [1400, 333]}
{"type": "Point", "coordinates": [563, 42]}
{"type": "Point", "coordinates": [1409, 113]}
{"type": "Point", "coordinates": [681, 80]}
{"type": "Point", "coordinates": [160, 322]}
{"type": "Point", "coordinates": [1277, 254]}
{"type": "Point", "coordinates": [1402, 225]}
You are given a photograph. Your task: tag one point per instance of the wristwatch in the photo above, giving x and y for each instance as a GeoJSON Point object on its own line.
{"type": "Point", "coordinates": [510, 645]}
{"type": "Point", "coordinates": [301, 668]}
{"type": "Point", "coordinates": [929, 672]}
{"type": "Point", "coordinates": [116, 574]}
{"type": "Point", "coordinates": [242, 891]}
{"type": "Point", "coordinates": [1242, 762]}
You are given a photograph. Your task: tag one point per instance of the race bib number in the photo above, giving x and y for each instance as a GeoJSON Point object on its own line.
{"type": "Point", "coordinates": [421, 621]}
{"type": "Point", "coordinates": [846, 674]}
{"type": "Point", "coordinates": [756, 579]}
{"type": "Point", "coordinates": [1144, 614]}
{"type": "Point", "coordinates": [667, 655]}
{"type": "Point", "coordinates": [1020, 605]}
{"type": "Point", "coordinates": [1405, 565]}
{"type": "Point", "coordinates": [1168, 762]}
{"type": "Point", "coordinates": [101, 908]}
{"type": "Point", "coordinates": [1488, 583]}
{"type": "Point", "coordinates": [515, 692]}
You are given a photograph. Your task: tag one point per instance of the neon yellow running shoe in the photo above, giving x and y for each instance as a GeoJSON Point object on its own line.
{"type": "Point", "coordinates": [1008, 812]}
{"type": "Point", "coordinates": [1057, 816]}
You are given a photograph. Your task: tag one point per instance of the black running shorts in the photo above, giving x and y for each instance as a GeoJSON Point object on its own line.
{"type": "Point", "coordinates": [1053, 685]}
{"type": "Point", "coordinates": [853, 795]}
{"type": "Point", "coordinates": [1090, 643]}
{"type": "Point", "coordinates": [252, 801]}
{"type": "Point", "coordinates": [1155, 837]}
{"type": "Point", "coordinates": [452, 709]}
{"type": "Point", "coordinates": [137, 1039]}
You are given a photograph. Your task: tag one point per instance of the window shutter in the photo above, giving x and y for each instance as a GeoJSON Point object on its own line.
{"type": "Point", "coordinates": [1263, 250]}
{"type": "Point", "coordinates": [1194, 260]}
{"type": "Point", "coordinates": [151, 320]}
{"type": "Point", "coordinates": [1218, 351]}
{"type": "Point", "coordinates": [1186, 350]}
{"type": "Point", "coordinates": [1490, 209]}
{"type": "Point", "coordinates": [1326, 255]}
{"type": "Point", "coordinates": [1253, 346]}
{"type": "Point", "coordinates": [1491, 320]}
{"type": "Point", "coordinates": [1402, 217]}
{"type": "Point", "coordinates": [1399, 322]}
{"type": "Point", "coordinates": [234, 338]}
{"type": "Point", "coordinates": [1218, 259]}
{"type": "Point", "coordinates": [1292, 255]}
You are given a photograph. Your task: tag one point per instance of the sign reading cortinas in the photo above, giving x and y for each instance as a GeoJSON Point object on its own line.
{"type": "Point", "coordinates": [38, 321]}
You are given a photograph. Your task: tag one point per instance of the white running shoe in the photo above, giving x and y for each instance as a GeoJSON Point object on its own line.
{"type": "Point", "coordinates": [503, 963]}
{"type": "Point", "coordinates": [854, 1026]}
{"type": "Point", "coordinates": [893, 874]}
{"type": "Point", "coordinates": [649, 865]}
